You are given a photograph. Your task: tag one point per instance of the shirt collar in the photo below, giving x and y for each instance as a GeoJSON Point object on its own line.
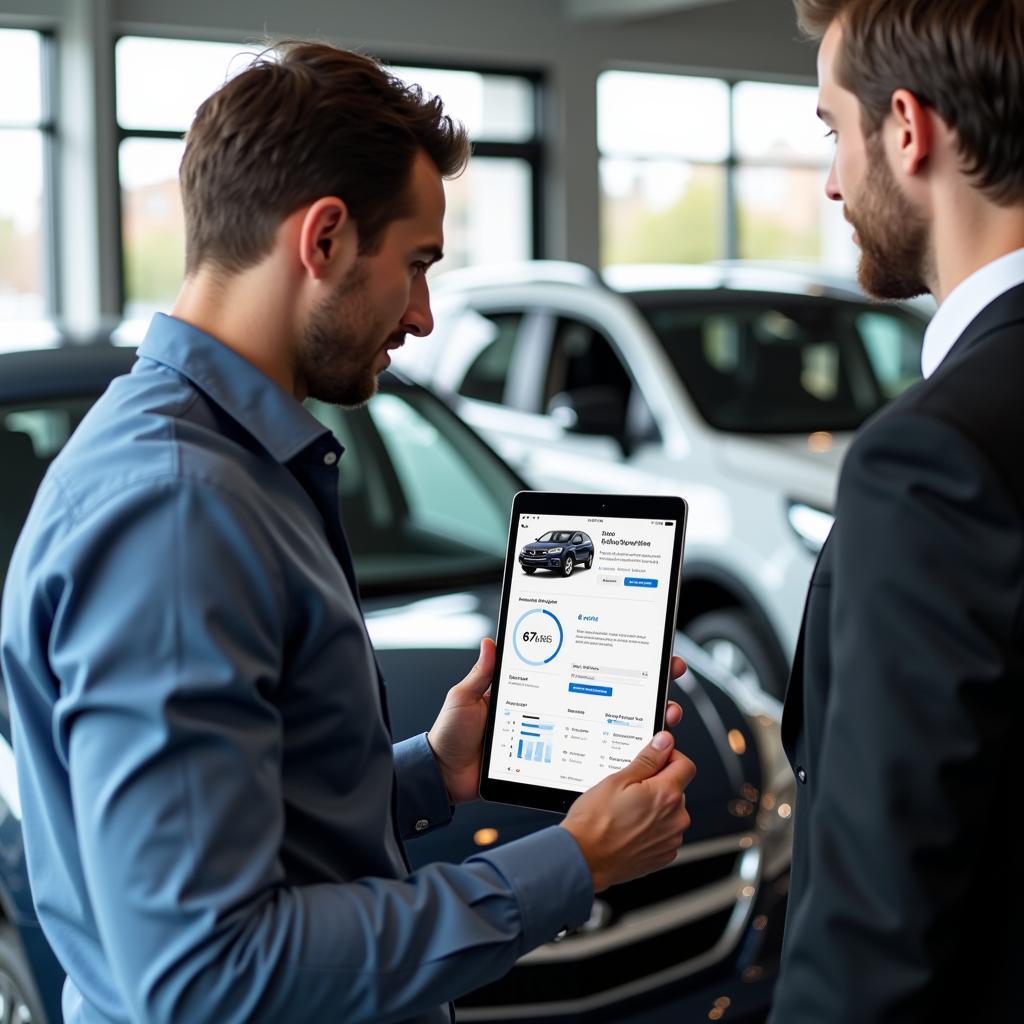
{"type": "Point", "coordinates": [277, 420]}
{"type": "Point", "coordinates": [965, 302]}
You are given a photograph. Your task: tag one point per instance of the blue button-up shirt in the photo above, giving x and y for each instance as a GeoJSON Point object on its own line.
{"type": "Point", "coordinates": [212, 805]}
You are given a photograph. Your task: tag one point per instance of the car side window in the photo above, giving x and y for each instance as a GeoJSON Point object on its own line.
{"type": "Point", "coordinates": [487, 374]}
{"type": "Point", "coordinates": [586, 374]}
{"type": "Point", "coordinates": [30, 436]}
{"type": "Point", "coordinates": [421, 498]}
{"type": "Point", "coordinates": [577, 539]}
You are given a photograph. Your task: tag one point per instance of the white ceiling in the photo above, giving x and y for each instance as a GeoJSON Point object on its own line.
{"type": "Point", "coordinates": [623, 10]}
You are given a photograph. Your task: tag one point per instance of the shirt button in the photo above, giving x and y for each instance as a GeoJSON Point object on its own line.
{"type": "Point", "coordinates": [330, 458]}
{"type": "Point", "coordinates": [801, 776]}
{"type": "Point", "coordinates": [421, 825]}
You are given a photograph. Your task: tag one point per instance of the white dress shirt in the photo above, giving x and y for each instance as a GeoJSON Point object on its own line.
{"type": "Point", "coordinates": [965, 302]}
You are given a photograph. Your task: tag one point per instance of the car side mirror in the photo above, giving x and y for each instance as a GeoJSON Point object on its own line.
{"type": "Point", "coordinates": [596, 410]}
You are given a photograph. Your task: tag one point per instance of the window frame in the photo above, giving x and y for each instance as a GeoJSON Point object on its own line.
{"type": "Point", "coordinates": [532, 151]}
{"type": "Point", "coordinates": [733, 163]}
{"type": "Point", "coordinates": [46, 126]}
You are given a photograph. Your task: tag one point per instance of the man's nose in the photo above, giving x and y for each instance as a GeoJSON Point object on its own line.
{"type": "Point", "coordinates": [832, 184]}
{"type": "Point", "coordinates": [418, 319]}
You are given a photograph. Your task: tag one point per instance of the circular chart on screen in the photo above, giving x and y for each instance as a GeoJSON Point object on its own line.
{"type": "Point", "coordinates": [537, 637]}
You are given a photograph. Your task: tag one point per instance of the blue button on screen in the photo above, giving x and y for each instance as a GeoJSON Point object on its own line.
{"type": "Point", "coordinates": [640, 581]}
{"type": "Point", "coordinates": [594, 691]}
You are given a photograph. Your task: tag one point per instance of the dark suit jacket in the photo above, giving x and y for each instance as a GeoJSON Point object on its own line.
{"type": "Point", "coordinates": [903, 714]}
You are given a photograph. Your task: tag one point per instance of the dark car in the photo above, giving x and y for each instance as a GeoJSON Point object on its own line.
{"type": "Point", "coordinates": [558, 550]}
{"type": "Point", "coordinates": [425, 503]}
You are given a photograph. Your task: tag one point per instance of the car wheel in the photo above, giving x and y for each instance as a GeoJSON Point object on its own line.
{"type": "Point", "coordinates": [736, 643]}
{"type": "Point", "coordinates": [529, 569]}
{"type": "Point", "coordinates": [569, 566]}
{"type": "Point", "coordinates": [19, 1002]}
{"type": "Point", "coordinates": [590, 560]}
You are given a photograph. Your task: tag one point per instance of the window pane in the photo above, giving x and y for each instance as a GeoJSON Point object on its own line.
{"type": "Point", "coordinates": [779, 123]}
{"type": "Point", "coordinates": [781, 366]}
{"type": "Point", "coordinates": [161, 82]}
{"type": "Point", "coordinates": [422, 499]}
{"type": "Point", "coordinates": [640, 114]}
{"type": "Point", "coordinates": [893, 345]}
{"type": "Point", "coordinates": [153, 225]}
{"type": "Point", "coordinates": [21, 225]}
{"type": "Point", "coordinates": [498, 108]}
{"type": "Point", "coordinates": [486, 377]}
{"type": "Point", "coordinates": [661, 212]}
{"type": "Point", "coordinates": [488, 218]}
{"type": "Point", "coordinates": [21, 79]}
{"type": "Point", "coordinates": [30, 436]}
{"type": "Point", "coordinates": [781, 213]}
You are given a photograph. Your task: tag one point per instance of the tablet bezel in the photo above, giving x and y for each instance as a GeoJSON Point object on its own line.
{"type": "Point", "coordinates": [666, 507]}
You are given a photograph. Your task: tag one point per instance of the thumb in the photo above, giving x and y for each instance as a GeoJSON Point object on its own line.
{"type": "Point", "coordinates": [650, 760]}
{"type": "Point", "coordinates": [478, 678]}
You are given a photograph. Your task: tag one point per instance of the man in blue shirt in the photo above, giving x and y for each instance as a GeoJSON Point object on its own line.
{"type": "Point", "coordinates": [213, 808]}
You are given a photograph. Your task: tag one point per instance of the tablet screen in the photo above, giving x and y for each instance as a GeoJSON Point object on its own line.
{"type": "Point", "coordinates": [582, 656]}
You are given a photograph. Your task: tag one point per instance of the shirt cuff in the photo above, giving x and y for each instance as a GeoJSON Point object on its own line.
{"type": "Point", "coordinates": [551, 880]}
{"type": "Point", "coordinates": [422, 798]}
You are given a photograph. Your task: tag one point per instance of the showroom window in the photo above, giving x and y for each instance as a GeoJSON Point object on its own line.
{"type": "Point", "coordinates": [493, 209]}
{"type": "Point", "coordinates": [27, 274]}
{"type": "Point", "coordinates": [696, 169]}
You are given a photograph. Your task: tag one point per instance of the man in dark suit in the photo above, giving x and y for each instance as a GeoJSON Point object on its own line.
{"type": "Point", "coordinates": [903, 710]}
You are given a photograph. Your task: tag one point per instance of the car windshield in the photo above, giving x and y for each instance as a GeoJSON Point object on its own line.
{"type": "Point", "coordinates": [560, 538]}
{"type": "Point", "coordinates": [787, 364]}
{"type": "Point", "coordinates": [423, 500]}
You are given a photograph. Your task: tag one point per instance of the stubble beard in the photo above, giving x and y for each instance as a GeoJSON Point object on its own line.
{"type": "Point", "coordinates": [340, 345]}
{"type": "Point", "coordinates": [896, 260]}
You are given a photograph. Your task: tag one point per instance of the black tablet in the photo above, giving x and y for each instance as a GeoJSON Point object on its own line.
{"type": "Point", "coordinates": [588, 614]}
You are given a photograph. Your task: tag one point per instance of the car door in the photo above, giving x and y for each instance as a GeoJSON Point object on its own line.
{"type": "Point", "coordinates": [550, 392]}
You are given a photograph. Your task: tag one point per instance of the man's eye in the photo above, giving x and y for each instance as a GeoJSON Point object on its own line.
{"type": "Point", "coordinates": [832, 134]}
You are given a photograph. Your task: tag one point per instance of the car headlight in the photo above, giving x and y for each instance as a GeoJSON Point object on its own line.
{"type": "Point", "coordinates": [554, 551]}
{"type": "Point", "coordinates": [810, 524]}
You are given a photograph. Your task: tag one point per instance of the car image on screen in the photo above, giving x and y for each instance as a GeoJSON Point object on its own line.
{"type": "Point", "coordinates": [559, 551]}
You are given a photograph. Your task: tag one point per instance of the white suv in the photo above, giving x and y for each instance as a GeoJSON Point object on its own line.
{"type": "Point", "coordinates": [736, 386]}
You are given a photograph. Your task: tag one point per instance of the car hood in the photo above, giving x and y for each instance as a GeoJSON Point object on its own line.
{"type": "Point", "coordinates": [806, 466]}
{"type": "Point", "coordinates": [545, 545]}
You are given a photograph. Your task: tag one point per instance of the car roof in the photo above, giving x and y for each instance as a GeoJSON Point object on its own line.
{"type": "Point", "coordinates": [724, 277]}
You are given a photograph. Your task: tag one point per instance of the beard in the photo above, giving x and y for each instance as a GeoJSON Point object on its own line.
{"type": "Point", "coordinates": [341, 343]}
{"type": "Point", "coordinates": [895, 261]}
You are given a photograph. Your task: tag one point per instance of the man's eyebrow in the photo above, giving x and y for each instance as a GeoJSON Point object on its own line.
{"type": "Point", "coordinates": [823, 114]}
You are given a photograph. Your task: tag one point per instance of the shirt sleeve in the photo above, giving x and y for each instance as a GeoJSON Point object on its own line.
{"type": "Point", "coordinates": [423, 803]}
{"type": "Point", "coordinates": [926, 594]}
{"type": "Point", "coordinates": [167, 642]}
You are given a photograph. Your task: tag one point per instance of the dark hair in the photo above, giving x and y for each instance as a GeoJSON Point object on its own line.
{"type": "Point", "coordinates": [302, 121]}
{"type": "Point", "coordinates": [962, 58]}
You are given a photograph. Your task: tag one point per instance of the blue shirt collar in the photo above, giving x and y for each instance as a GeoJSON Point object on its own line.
{"type": "Point", "coordinates": [279, 422]}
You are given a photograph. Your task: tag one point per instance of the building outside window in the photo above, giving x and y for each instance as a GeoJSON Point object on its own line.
{"type": "Point", "coordinates": [492, 212]}
{"type": "Point", "coordinates": [696, 169]}
{"type": "Point", "coordinates": [26, 137]}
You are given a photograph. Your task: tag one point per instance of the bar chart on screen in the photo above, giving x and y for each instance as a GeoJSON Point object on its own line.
{"type": "Point", "coordinates": [535, 739]}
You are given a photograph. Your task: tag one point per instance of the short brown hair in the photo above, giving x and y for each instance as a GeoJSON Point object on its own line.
{"type": "Point", "coordinates": [302, 121]}
{"type": "Point", "coordinates": [962, 58]}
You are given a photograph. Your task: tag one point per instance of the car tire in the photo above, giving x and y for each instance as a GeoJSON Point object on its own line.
{"type": "Point", "coordinates": [19, 1000]}
{"type": "Point", "coordinates": [734, 640]}
{"type": "Point", "coordinates": [529, 569]}
{"type": "Point", "coordinates": [590, 561]}
{"type": "Point", "coordinates": [568, 567]}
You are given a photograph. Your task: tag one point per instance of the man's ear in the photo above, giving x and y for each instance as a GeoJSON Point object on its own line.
{"type": "Point", "coordinates": [328, 243]}
{"type": "Point", "coordinates": [913, 131]}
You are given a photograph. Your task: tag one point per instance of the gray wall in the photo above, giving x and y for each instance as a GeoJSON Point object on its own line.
{"type": "Point", "coordinates": [731, 37]}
